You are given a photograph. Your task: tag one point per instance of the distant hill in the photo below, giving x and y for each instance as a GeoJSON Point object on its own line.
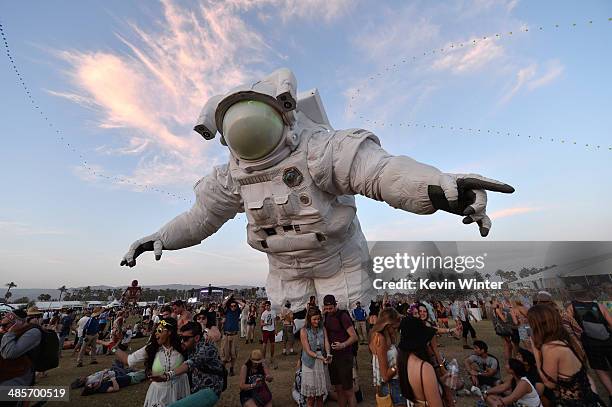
{"type": "Point", "coordinates": [33, 293]}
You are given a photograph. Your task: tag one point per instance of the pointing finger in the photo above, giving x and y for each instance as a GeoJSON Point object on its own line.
{"type": "Point", "coordinates": [473, 181]}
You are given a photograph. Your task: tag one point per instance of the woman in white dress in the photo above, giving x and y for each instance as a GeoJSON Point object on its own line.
{"type": "Point", "coordinates": [161, 356]}
{"type": "Point", "coordinates": [315, 355]}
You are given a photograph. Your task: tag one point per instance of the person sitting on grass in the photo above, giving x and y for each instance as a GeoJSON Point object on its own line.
{"type": "Point", "coordinates": [254, 391]}
{"type": "Point", "coordinates": [482, 367]}
{"type": "Point", "coordinates": [518, 389]}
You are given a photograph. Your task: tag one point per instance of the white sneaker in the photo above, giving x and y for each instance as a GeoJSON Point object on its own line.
{"type": "Point", "coordinates": [476, 391]}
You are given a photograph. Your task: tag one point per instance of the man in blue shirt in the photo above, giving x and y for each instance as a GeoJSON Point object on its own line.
{"type": "Point", "coordinates": [90, 333]}
{"type": "Point", "coordinates": [359, 316]}
{"type": "Point", "coordinates": [231, 328]}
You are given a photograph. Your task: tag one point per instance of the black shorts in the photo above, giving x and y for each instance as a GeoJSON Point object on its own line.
{"type": "Point", "coordinates": [515, 337]}
{"type": "Point", "coordinates": [599, 353]}
{"type": "Point", "coordinates": [486, 380]}
{"type": "Point", "coordinates": [341, 371]}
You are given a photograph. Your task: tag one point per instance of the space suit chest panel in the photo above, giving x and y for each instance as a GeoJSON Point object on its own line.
{"type": "Point", "coordinates": [286, 211]}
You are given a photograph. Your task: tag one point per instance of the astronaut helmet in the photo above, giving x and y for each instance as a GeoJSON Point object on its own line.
{"type": "Point", "coordinates": [252, 129]}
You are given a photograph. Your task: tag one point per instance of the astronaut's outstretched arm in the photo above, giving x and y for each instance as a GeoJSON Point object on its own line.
{"type": "Point", "coordinates": [216, 203]}
{"type": "Point", "coordinates": [407, 184]}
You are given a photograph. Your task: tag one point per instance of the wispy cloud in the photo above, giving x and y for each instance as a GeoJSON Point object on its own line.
{"type": "Point", "coordinates": [413, 49]}
{"type": "Point", "coordinates": [527, 78]}
{"type": "Point", "coordinates": [150, 92]}
{"type": "Point", "coordinates": [505, 213]}
{"type": "Point", "coordinates": [470, 58]}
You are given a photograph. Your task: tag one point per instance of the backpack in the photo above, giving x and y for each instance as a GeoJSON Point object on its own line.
{"type": "Point", "coordinates": [91, 327]}
{"type": "Point", "coordinates": [590, 318]}
{"type": "Point", "coordinates": [46, 355]}
{"type": "Point", "coordinates": [502, 328]}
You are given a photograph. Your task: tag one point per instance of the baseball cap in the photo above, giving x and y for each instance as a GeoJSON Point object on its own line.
{"type": "Point", "coordinates": [329, 300]}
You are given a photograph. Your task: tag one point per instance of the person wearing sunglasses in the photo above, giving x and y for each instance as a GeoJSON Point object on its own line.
{"type": "Point", "coordinates": [231, 329]}
{"type": "Point", "coordinates": [210, 333]}
{"type": "Point", "coordinates": [161, 356]}
{"type": "Point", "coordinates": [203, 367]}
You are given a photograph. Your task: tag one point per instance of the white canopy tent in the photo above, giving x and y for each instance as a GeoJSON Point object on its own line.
{"type": "Point", "coordinates": [554, 277]}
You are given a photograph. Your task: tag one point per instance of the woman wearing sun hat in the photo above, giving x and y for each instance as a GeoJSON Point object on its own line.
{"type": "Point", "coordinates": [254, 391]}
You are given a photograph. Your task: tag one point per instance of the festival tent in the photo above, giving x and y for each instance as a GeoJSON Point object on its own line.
{"type": "Point", "coordinates": [568, 274]}
{"type": "Point", "coordinates": [57, 305]}
{"type": "Point", "coordinates": [115, 303]}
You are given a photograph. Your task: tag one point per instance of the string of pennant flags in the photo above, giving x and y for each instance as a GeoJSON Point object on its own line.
{"type": "Point", "coordinates": [479, 131]}
{"type": "Point", "coordinates": [451, 47]}
{"type": "Point", "coordinates": [65, 142]}
{"type": "Point", "coordinates": [351, 107]}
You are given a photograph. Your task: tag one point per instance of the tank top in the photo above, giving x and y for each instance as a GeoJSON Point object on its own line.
{"type": "Point", "coordinates": [391, 361]}
{"type": "Point", "coordinates": [531, 399]}
{"type": "Point", "coordinates": [574, 390]}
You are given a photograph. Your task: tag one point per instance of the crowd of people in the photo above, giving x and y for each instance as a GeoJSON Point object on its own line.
{"type": "Point", "coordinates": [549, 350]}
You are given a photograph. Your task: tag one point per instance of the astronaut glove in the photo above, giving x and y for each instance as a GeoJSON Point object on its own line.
{"type": "Point", "coordinates": [465, 195]}
{"type": "Point", "coordinates": [146, 244]}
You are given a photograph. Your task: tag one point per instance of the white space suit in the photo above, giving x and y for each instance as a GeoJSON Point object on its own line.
{"type": "Point", "coordinates": [296, 177]}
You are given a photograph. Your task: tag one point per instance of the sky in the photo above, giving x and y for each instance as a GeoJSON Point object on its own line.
{"type": "Point", "coordinates": [101, 150]}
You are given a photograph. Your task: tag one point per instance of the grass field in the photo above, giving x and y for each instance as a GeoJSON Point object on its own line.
{"type": "Point", "coordinates": [280, 387]}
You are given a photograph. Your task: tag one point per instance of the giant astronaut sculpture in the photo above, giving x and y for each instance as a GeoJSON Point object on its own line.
{"type": "Point", "coordinates": [296, 177]}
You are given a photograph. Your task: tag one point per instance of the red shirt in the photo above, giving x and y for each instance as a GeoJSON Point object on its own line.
{"type": "Point", "coordinates": [337, 326]}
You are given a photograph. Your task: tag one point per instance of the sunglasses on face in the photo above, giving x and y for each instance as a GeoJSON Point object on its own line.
{"type": "Point", "coordinates": [185, 338]}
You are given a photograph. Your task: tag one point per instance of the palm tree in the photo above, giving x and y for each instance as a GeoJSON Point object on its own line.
{"type": "Point", "coordinates": [9, 285]}
{"type": "Point", "coordinates": [62, 290]}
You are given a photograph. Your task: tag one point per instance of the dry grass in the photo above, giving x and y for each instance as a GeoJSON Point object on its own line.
{"type": "Point", "coordinates": [281, 385]}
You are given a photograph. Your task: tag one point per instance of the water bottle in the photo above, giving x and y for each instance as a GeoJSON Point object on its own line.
{"type": "Point", "coordinates": [453, 375]}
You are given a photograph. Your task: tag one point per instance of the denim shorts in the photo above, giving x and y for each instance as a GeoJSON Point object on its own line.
{"type": "Point", "coordinates": [396, 392]}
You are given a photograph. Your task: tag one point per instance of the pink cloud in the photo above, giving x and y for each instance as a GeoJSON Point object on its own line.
{"type": "Point", "coordinates": [504, 213]}
{"type": "Point", "coordinates": [152, 94]}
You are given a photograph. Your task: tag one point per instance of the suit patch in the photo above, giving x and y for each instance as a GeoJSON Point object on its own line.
{"type": "Point", "coordinates": [292, 177]}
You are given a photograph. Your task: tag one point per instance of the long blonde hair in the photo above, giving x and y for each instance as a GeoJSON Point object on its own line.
{"type": "Point", "coordinates": [386, 317]}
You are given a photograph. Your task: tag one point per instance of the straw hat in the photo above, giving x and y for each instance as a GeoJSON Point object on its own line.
{"type": "Point", "coordinates": [34, 311]}
{"type": "Point", "coordinates": [256, 356]}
